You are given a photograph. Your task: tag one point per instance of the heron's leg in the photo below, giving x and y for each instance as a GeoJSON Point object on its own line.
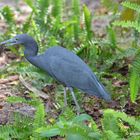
{"type": "Point", "coordinates": [65, 96]}
{"type": "Point", "coordinates": [74, 98]}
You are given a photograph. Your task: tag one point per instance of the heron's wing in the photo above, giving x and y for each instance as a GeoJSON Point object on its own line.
{"type": "Point", "coordinates": [71, 73]}
{"type": "Point", "coordinates": [76, 74]}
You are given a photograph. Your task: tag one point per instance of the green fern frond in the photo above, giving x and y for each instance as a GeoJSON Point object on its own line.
{"type": "Point", "coordinates": [76, 18]}
{"type": "Point", "coordinates": [130, 52]}
{"type": "Point", "coordinates": [39, 120]}
{"type": "Point", "coordinates": [57, 9]}
{"type": "Point", "coordinates": [20, 128]}
{"type": "Point", "coordinates": [74, 128]}
{"type": "Point", "coordinates": [112, 37]}
{"type": "Point", "coordinates": [30, 3]}
{"type": "Point", "coordinates": [109, 135]}
{"type": "Point", "coordinates": [23, 125]}
{"type": "Point", "coordinates": [16, 99]}
{"type": "Point", "coordinates": [79, 50]}
{"type": "Point", "coordinates": [131, 5]}
{"type": "Point", "coordinates": [111, 115]}
{"type": "Point", "coordinates": [134, 85]}
{"type": "Point", "coordinates": [88, 21]}
{"type": "Point", "coordinates": [136, 63]}
{"type": "Point", "coordinates": [7, 132]}
{"type": "Point", "coordinates": [135, 78]}
{"type": "Point", "coordinates": [115, 121]}
{"type": "Point", "coordinates": [76, 8]}
{"type": "Point", "coordinates": [43, 6]}
{"type": "Point", "coordinates": [128, 24]}
{"type": "Point", "coordinates": [8, 15]}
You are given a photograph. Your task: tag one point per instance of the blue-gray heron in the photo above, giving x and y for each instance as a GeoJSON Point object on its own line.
{"type": "Point", "coordinates": [64, 66]}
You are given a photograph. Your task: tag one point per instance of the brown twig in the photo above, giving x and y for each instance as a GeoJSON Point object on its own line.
{"type": "Point", "coordinates": [31, 88]}
{"type": "Point", "coordinates": [9, 79]}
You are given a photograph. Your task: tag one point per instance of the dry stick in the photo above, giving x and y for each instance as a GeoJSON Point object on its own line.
{"type": "Point", "coordinates": [31, 88]}
{"type": "Point", "coordinates": [9, 79]}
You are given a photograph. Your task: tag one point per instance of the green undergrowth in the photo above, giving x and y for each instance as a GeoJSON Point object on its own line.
{"type": "Point", "coordinates": [67, 24]}
{"type": "Point", "coordinates": [115, 125]}
{"type": "Point", "coordinates": [114, 58]}
{"type": "Point", "coordinates": [135, 25]}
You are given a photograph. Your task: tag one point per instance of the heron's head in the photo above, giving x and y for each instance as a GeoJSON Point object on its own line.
{"type": "Point", "coordinates": [19, 39]}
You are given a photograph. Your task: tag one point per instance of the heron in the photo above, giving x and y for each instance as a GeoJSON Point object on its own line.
{"type": "Point", "coordinates": [62, 65]}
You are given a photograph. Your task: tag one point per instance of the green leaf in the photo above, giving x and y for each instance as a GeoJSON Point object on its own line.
{"type": "Point", "coordinates": [50, 132]}
{"type": "Point", "coordinates": [88, 21]}
{"type": "Point", "coordinates": [16, 99]}
{"type": "Point", "coordinates": [75, 137]}
{"type": "Point", "coordinates": [111, 115]}
{"type": "Point", "coordinates": [39, 118]}
{"type": "Point", "coordinates": [82, 117]}
{"type": "Point", "coordinates": [111, 5]}
{"type": "Point", "coordinates": [57, 9]}
{"type": "Point", "coordinates": [134, 85]}
{"type": "Point", "coordinates": [112, 37]}
{"type": "Point", "coordinates": [110, 122]}
{"type": "Point", "coordinates": [8, 14]}
{"type": "Point", "coordinates": [128, 24]}
{"type": "Point", "coordinates": [131, 5]}
{"type": "Point", "coordinates": [76, 18]}
{"type": "Point", "coordinates": [43, 6]}
{"type": "Point", "coordinates": [109, 135]}
{"type": "Point", "coordinates": [30, 3]}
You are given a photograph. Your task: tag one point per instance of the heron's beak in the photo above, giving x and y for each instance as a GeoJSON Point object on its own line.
{"type": "Point", "coordinates": [9, 42]}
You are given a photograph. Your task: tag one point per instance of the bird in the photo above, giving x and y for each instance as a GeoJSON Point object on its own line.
{"type": "Point", "coordinates": [62, 65]}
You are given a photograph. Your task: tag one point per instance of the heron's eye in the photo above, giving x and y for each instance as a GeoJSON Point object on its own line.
{"type": "Point", "coordinates": [16, 39]}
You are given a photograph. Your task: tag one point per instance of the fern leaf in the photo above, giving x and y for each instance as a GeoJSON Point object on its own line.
{"type": "Point", "coordinates": [8, 15]}
{"type": "Point", "coordinates": [39, 116]}
{"type": "Point", "coordinates": [88, 21]}
{"type": "Point", "coordinates": [7, 132]}
{"type": "Point", "coordinates": [128, 24]}
{"type": "Point", "coordinates": [57, 9]}
{"type": "Point", "coordinates": [39, 120]}
{"type": "Point", "coordinates": [134, 85]}
{"type": "Point", "coordinates": [43, 6]}
{"type": "Point", "coordinates": [135, 78]}
{"type": "Point", "coordinates": [112, 37]}
{"type": "Point", "coordinates": [76, 18]}
{"type": "Point", "coordinates": [73, 129]}
{"type": "Point", "coordinates": [30, 3]}
{"type": "Point", "coordinates": [16, 99]}
{"type": "Point", "coordinates": [109, 135]}
{"type": "Point", "coordinates": [110, 115]}
{"type": "Point", "coordinates": [133, 6]}
{"type": "Point", "coordinates": [76, 7]}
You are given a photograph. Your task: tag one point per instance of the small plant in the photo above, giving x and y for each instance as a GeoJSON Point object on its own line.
{"type": "Point", "coordinates": [135, 24]}
{"type": "Point", "coordinates": [24, 127]}
{"type": "Point", "coordinates": [116, 126]}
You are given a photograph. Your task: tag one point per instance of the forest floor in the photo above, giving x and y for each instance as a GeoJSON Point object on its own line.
{"type": "Point", "coordinates": [10, 85]}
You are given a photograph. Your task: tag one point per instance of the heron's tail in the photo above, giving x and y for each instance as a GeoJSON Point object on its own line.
{"type": "Point", "coordinates": [98, 89]}
{"type": "Point", "coordinates": [103, 93]}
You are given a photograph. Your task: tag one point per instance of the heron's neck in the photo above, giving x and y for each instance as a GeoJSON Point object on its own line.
{"type": "Point", "coordinates": [31, 50]}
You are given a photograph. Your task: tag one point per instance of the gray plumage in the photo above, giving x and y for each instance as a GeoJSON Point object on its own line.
{"type": "Point", "coordinates": [63, 65]}
{"type": "Point", "coordinates": [70, 70]}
